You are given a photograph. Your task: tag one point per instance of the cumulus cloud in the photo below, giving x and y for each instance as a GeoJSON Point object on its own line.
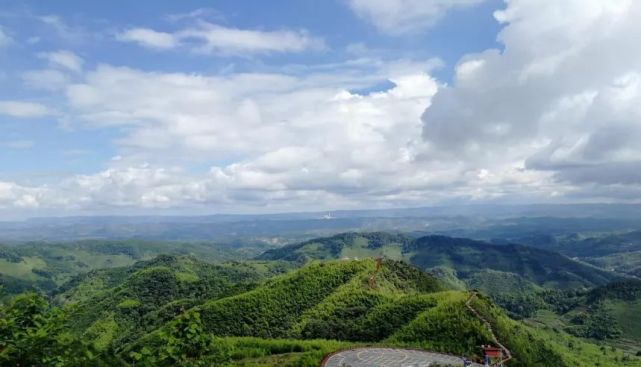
{"type": "Point", "coordinates": [277, 141]}
{"type": "Point", "coordinates": [13, 195]}
{"type": "Point", "coordinates": [24, 109]}
{"type": "Point", "coordinates": [273, 141]}
{"type": "Point", "coordinates": [215, 39]}
{"type": "Point", "coordinates": [562, 98]}
{"type": "Point", "coordinates": [403, 16]}
{"type": "Point", "coordinates": [249, 113]}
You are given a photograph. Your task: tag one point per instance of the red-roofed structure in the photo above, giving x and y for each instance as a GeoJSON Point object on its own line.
{"type": "Point", "coordinates": [493, 355]}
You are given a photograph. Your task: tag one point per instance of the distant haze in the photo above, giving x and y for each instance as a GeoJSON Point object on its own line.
{"type": "Point", "coordinates": [479, 221]}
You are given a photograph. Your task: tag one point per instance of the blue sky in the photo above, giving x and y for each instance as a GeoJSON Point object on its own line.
{"type": "Point", "coordinates": [255, 106]}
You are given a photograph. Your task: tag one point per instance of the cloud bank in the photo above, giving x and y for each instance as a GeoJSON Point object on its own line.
{"type": "Point", "coordinates": [553, 115]}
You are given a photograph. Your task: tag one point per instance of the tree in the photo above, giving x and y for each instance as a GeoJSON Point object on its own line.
{"type": "Point", "coordinates": [32, 334]}
{"type": "Point", "coordinates": [186, 343]}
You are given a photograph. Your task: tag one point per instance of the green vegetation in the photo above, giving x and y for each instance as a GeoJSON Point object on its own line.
{"type": "Point", "coordinates": [33, 334]}
{"type": "Point", "coordinates": [151, 293]}
{"type": "Point", "coordinates": [346, 245]}
{"type": "Point", "coordinates": [603, 313]}
{"type": "Point", "coordinates": [495, 269]}
{"type": "Point", "coordinates": [44, 267]}
{"type": "Point", "coordinates": [294, 305]}
{"type": "Point", "coordinates": [615, 251]}
{"type": "Point", "coordinates": [545, 346]}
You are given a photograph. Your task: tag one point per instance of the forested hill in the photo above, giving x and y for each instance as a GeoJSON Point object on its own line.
{"type": "Point", "coordinates": [335, 300]}
{"type": "Point", "coordinates": [179, 311]}
{"type": "Point", "coordinates": [490, 267]}
{"type": "Point", "coordinates": [344, 245]}
{"type": "Point", "coordinates": [543, 267]}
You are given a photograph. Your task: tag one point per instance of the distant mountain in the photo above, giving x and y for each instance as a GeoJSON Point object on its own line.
{"type": "Point", "coordinates": [545, 268]}
{"type": "Point", "coordinates": [344, 245]}
{"type": "Point", "coordinates": [519, 223]}
{"type": "Point", "coordinates": [480, 264]}
{"type": "Point", "coordinates": [618, 251]}
{"type": "Point", "coordinates": [44, 266]}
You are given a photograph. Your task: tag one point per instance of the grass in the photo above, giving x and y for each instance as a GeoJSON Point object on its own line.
{"type": "Point", "coordinates": [23, 269]}
{"type": "Point", "coordinates": [254, 352]}
{"type": "Point", "coordinates": [546, 318]}
{"type": "Point", "coordinates": [628, 315]}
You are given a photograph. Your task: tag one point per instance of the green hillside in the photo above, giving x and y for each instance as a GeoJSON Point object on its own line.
{"type": "Point", "coordinates": [406, 308]}
{"type": "Point", "coordinates": [615, 251]}
{"type": "Point", "coordinates": [115, 305]}
{"type": "Point", "coordinates": [547, 345]}
{"type": "Point", "coordinates": [180, 311]}
{"type": "Point", "coordinates": [545, 268]}
{"type": "Point", "coordinates": [345, 245]}
{"type": "Point", "coordinates": [495, 269]}
{"type": "Point", "coordinates": [599, 245]}
{"type": "Point", "coordinates": [613, 309]}
{"type": "Point", "coordinates": [45, 266]}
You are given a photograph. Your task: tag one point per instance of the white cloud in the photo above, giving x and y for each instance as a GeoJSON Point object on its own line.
{"type": "Point", "coordinates": [403, 16]}
{"type": "Point", "coordinates": [218, 39]}
{"type": "Point", "coordinates": [215, 39]}
{"type": "Point", "coordinates": [553, 116]}
{"type": "Point", "coordinates": [562, 100]}
{"type": "Point", "coordinates": [243, 112]}
{"type": "Point", "coordinates": [24, 109]}
{"type": "Point", "coordinates": [275, 141]}
{"type": "Point", "coordinates": [65, 59]}
{"type": "Point", "coordinates": [149, 38]}
{"type": "Point", "coordinates": [13, 195]}
{"type": "Point", "coordinates": [140, 186]}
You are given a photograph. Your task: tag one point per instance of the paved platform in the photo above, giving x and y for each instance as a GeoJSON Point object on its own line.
{"type": "Point", "coordinates": [388, 357]}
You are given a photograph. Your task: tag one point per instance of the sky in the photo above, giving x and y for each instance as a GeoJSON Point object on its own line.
{"type": "Point", "coordinates": [201, 107]}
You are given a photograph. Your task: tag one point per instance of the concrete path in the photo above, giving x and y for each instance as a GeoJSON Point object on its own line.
{"type": "Point", "coordinates": [507, 355]}
{"type": "Point", "coordinates": [388, 357]}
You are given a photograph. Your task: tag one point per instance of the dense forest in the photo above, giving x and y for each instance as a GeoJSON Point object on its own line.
{"type": "Point", "coordinates": [292, 305]}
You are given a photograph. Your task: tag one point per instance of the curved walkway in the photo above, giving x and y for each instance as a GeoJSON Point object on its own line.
{"type": "Point", "coordinates": [388, 357]}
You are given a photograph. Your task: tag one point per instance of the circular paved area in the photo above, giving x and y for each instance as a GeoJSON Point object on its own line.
{"type": "Point", "coordinates": [388, 357]}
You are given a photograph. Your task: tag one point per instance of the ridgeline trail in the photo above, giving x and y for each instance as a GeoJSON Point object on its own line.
{"type": "Point", "coordinates": [372, 279]}
{"type": "Point", "coordinates": [506, 352]}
